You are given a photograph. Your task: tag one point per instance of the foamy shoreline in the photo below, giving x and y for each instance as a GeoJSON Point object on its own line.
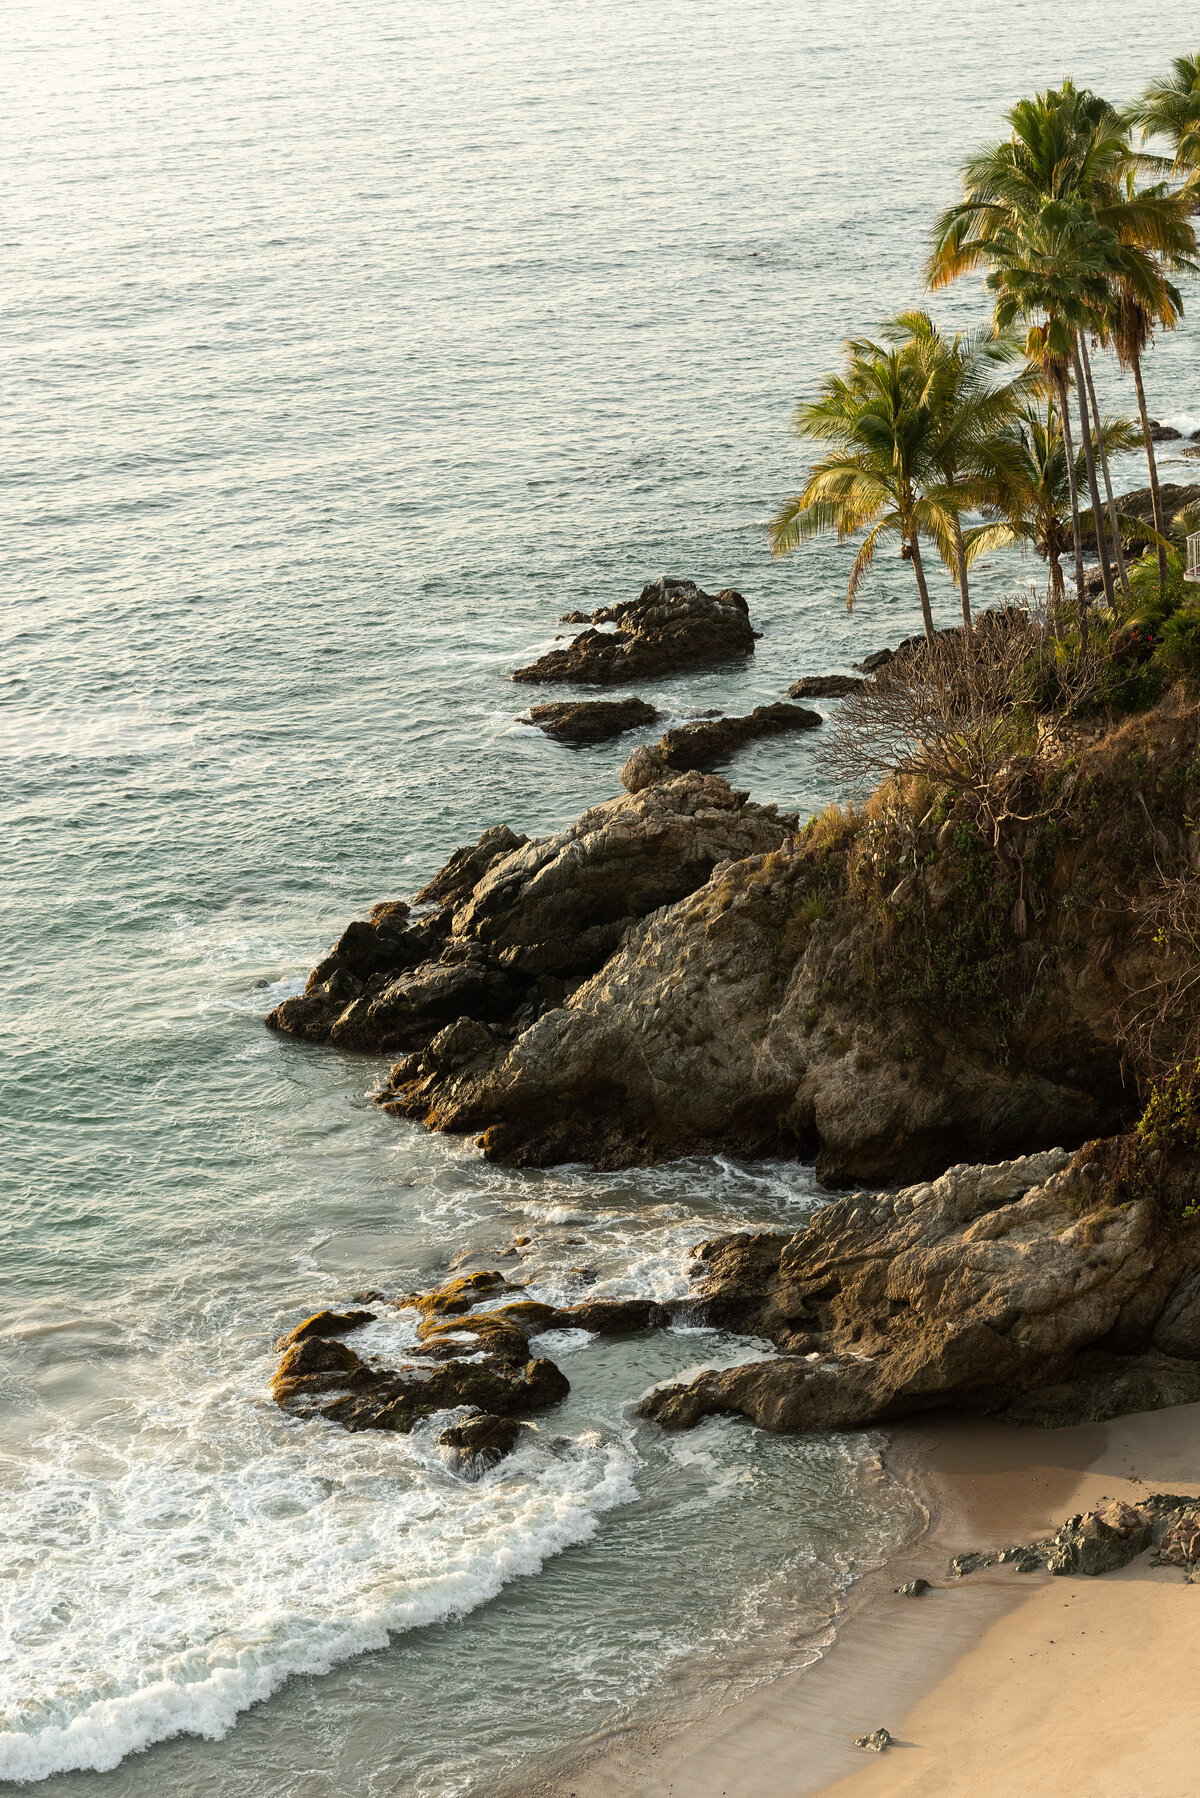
{"type": "Point", "coordinates": [996, 1684]}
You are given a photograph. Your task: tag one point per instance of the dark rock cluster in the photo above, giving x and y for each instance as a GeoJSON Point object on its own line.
{"type": "Point", "coordinates": [672, 624]}
{"type": "Point", "coordinates": [592, 720]}
{"type": "Point", "coordinates": [464, 1357]}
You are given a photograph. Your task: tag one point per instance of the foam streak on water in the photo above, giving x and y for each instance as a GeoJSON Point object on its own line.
{"type": "Point", "coordinates": [347, 346]}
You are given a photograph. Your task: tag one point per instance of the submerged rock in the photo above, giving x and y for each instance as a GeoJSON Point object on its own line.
{"type": "Point", "coordinates": [592, 720]}
{"type": "Point", "coordinates": [672, 624]}
{"type": "Point", "coordinates": [483, 1440]}
{"type": "Point", "coordinates": [501, 1381]}
{"type": "Point", "coordinates": [706, 741]}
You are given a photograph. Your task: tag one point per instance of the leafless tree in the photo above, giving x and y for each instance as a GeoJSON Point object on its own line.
{"type": "Point", "coordinates": [962, 713]}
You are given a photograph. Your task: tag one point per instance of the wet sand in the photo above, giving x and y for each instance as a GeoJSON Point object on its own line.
{"type": "Point", "coordinates": [997, 1684]}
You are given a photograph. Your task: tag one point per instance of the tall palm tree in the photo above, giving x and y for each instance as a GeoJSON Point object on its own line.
{"type": "Point", "coordinates": [879, 474]}
{"type": "Point", "coordinates": [1032, 498]}
{"type": "Point", "coordinates": [1070, 145]}
{"type": "Point", "coordinates": [1157, 240]}
{"type": "Point", "coordinates": [974, 412]}
{"type": "Point", "coordinates": [1171, 108]}
{"type": "Point", "coordinates": [1064, 144]}
{"type": "Point", "coordinates": [1050, 271]}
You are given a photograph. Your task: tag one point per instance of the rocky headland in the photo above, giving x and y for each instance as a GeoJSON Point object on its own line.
{"type": "Point", "coordinates": [888, 991]}
{"type": "Point", "coordinates": [672, 624]}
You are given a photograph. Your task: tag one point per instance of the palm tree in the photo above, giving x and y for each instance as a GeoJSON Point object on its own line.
{"type": "Point", "coordinates": [879, 475]}
{"type": "Point", "coordinates": [1064, 144]}
{"type": "Point", "coordinates": [1071, 145]}
{"type": "Point", "coordinates": [974, 412]}
{"type": "Point", "coordinates": [1157, 240]}
{"type": "Point", "coordinates": [1032, 498]}
{"type": "Point", "coordinates": [1171, 109]}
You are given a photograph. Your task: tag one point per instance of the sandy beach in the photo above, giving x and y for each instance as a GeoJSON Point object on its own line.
{"type": "Point", "coordinates": [990, 1686]}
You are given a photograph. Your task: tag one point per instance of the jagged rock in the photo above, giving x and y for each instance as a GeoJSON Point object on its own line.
{"type": "Point", "coordinates": [325, 1323]}
{"type": "Point", "coordinates": [592, 720]}
{"type": "Point", "coordinates": [1160, 433]}
{"type": "Point", "coordinates": [483, 1440]}
{"type": "Point", "coordinates": [1106, 1539]}
{"type": "Point", "coordinates": [518, 925]}
{"type": "Point", "coordinates": [672, 624]}
{"type": "Point", "coordinates": [766, 1012]}
{"type": "Point", "coordinates": [914, 1588]}
{"type": "Point", "coordinates": [975, 1291]}
{"type": "Point", "coordinates": [700, 744]}
{"type": "Point", "coordinates": [1099, 1541]}
{"type": "Point", "coordinates": [1180, 1544]}
{"type": "Point", "coordinates": [832, 686]}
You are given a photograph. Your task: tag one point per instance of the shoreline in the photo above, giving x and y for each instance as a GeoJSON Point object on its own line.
{"type": "Point", "coordinates": [981, 1698]}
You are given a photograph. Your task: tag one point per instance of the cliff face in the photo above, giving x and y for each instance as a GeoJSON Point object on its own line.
{"type": "Point", "coordinates": [892, 991]}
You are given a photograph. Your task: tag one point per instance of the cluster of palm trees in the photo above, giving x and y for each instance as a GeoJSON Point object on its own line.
{"type": "Point", "coordinates": [1083, 233]}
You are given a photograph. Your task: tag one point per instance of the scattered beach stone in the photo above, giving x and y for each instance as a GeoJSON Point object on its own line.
{"type": "Point", "coordinates": [970, 1562]}
{"type": "Point", "coordinates": [915, 1588]}
{"type": "Point", "coordinates": [829, 686]}
{"type": "Point", "coordinates": [877, 1741]}
{"type": "Point", "coordinates": [671, 624]}
{"type": "Point", "coordinates": [592, 720]}
{"type": "Point", "coordinates": [700, 744]}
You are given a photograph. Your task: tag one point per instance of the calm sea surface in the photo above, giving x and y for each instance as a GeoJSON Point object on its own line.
{"type": "Point", "coordinates": [344, 347]}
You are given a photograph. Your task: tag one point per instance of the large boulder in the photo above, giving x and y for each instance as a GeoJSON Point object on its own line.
{"type": "Point", "coordinates": [592, 720]}
{"type": "Point", "coordinates": [1006, 1288]}
{"type": "Point", "coordinates": [513, 926]}
{"type": "Point", "coordinates": [672, 624]}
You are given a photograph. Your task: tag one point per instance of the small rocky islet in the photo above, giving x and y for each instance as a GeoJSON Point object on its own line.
{"type": "Point", "coordinates": [683, 971]}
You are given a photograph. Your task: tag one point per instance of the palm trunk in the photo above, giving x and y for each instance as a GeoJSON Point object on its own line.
{"type": "Point", "coordinates": [1118, 552]}
{"type": "Point", "coordinates": [1058, 585]}
{"type": "Point", "coordinates": [1089, 459]}
{"type": "Point", "coordinates": [922, 589]}
{"type": "Point", "coordinates": [960, 555]}
{"type": "Point", "coordinates": [1135, 362]}
{"type": "Point", "coordinates": [1064, 413]}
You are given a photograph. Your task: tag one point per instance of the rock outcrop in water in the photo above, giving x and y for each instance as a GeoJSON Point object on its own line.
{"type": "Point", "coordinates": [513, 926]}
{"type": "Point", "coordinates": [592, 720]}
{"type": "Point", "coordinates": [685, 973]}
{"type": "Point", "coordinates": [1013, 1288]}
{"type": "Point", "coordinates": [709, 740]}
{"type": "Point", "coordinates": [672, 624]}
{"type": "Point", "coordinates": [826, 686]}
{"type": "Point", "coordinates": [463, 1357]}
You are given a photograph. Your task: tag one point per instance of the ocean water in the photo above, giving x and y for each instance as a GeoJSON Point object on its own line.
{"type": "Point", "coordinates": [344, 348]}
